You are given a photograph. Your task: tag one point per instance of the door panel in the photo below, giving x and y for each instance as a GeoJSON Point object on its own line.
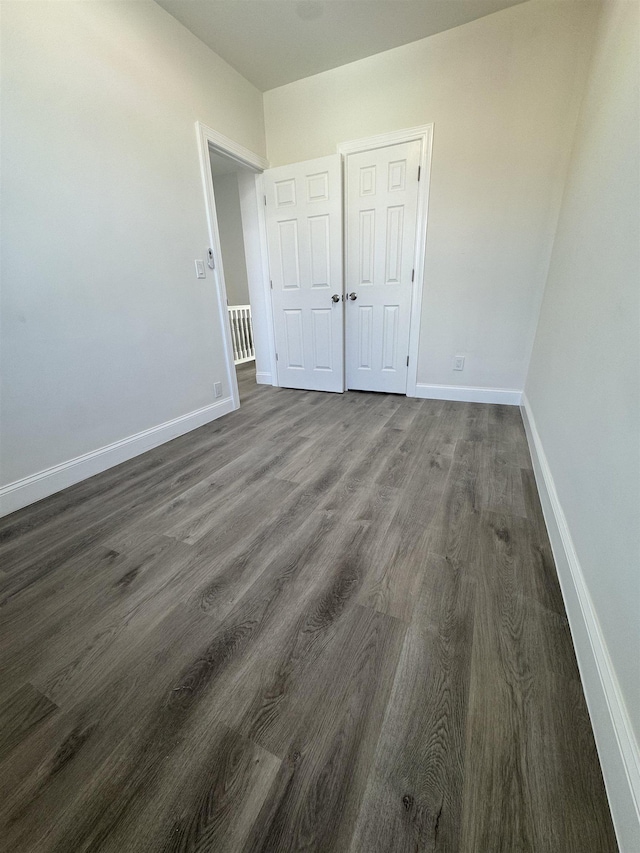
{"type": "Point", "coordinates": [365, 336]}
{"type": "Point", "coordinates": [381, 204]}
{"type": "Point", "coordinates": [304, 235]}
{"type": "Point", "coordinates": [293, 338]}
{"type": "Point", "coordinates": [390, 336]}
{"type": "Point", "coordinates": [319, 247]}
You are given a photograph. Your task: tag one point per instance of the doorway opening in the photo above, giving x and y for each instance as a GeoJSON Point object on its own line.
{"type": "Point", "coordinates": [228, 176]}
{"type": "Point", "coordinates": [232, 181]}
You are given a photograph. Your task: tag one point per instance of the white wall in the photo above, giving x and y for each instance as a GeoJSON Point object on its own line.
{"type": "Point", "coordinates": [583, 387]}
{"type": "Point", "coordinates": [105, 329]}
{"type": "Point", "coordinates": [503, 93]}
{"type": "Point", "coordinates": [229, 218]}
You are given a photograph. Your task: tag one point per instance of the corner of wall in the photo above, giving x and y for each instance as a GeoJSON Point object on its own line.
{"type": "Point", "coordinates": [615, 740]}
{"type": "Point", "coordinates": [580, 80]}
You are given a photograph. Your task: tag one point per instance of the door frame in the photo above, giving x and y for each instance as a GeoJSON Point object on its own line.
{"type": "Point", "coordinates": [208, 138]}
{"type": "Point", "coordinates": [423, 133]}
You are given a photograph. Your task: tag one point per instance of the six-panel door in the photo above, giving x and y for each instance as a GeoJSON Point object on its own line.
{"type": "Point", "coordinates": [381, 202]}
{"type": "Point", "coordinates": [304, 234]}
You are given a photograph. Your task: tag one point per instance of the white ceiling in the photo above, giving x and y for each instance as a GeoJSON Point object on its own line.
{"type": "Point", "coordinates": [273, 42]}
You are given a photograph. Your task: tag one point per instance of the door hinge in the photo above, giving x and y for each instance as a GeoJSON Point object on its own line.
{"type": "Point", "coordinates": [265, 198]}
{"type": "Point", "coordinates": [407, 361]}
{"type": "Point", "coordinates": [413, 274]}
{"type": "Point", "coordinates": [276, 356]}
{"type": "Point", "coordinates": [271, 285]}
{"type": "Point", "coordinates": [419, 167]}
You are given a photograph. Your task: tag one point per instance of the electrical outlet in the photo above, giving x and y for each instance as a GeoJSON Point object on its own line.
{"type": "Point", "coordinates": [200, 273]}
{"type": "Point", "coordinates": [217, 389]}
{"type": "Point", "coordinates": [458, 362]}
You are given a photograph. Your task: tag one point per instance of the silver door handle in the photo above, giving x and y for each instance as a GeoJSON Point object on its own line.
{"type": "Point", "coordinates": [335, 298]}
{"type": "Point", "coordinates": [353, 296]}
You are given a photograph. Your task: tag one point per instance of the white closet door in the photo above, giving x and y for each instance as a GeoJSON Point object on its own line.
{"type": "Point", "coordinates": [304, 234]}
{"type": "Point", "coordinates": [381, 209]}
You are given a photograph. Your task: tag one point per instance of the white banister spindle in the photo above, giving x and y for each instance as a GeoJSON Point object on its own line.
{"type": "Point", "coordinates": [242, 354]}
{"type": "Point", "coordinates": [241, 333]}
{"type": "Point", "coordinates": [245, 332]}
{"type": "Point", "coordinates": [236, 336]}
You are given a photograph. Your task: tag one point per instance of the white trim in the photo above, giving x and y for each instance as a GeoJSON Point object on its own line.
{"type": "Point", "coordinates": [231, 148]}
{"type": "Point", "coordinates": [423, 133]}
{"type": "Point", "coordinates": [381, 140]}
{"type": "Point", "coordinates": [263, 378]}
{"type": "Point", "coordinates": [468, 394]}
{"type": "Point", "coordinates": [615, 740]}
{"type": "Point", "coordinates": [30, 489]}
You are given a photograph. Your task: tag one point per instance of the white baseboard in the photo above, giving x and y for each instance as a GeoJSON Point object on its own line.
{"type": "Point", "coordinates": [31, 489]}
{"type": "Point", "coordinates": [467, 394]}
{"type": "Point", "coordinates": [615, 740]}
{"type": "Point", "coordinates": [263, 378]}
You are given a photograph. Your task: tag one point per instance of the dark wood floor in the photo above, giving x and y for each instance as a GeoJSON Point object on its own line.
{"type": "Point", "coordinates": [323, 622]}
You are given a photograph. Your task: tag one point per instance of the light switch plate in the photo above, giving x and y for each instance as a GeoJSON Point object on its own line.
{"type": "Point", "coordinates": [217, 389]}
{"type": "Point", "coordinates": [458, 362]}
{"type": "Point", "coordinates": [200, 273]}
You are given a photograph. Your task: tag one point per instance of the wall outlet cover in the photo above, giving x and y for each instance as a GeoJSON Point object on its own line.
{"type": "Point", "coordinates": [217, 389]}
{"type": "Point", "coordinates": [200, 272]}
{"type": "Point", "coordinates": [458, 362]}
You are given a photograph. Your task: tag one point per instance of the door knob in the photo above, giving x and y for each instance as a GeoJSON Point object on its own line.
{"type": "Point", "coordinates": [353, 296]}
{"type": "Point", "coordinates": [335, 298]}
